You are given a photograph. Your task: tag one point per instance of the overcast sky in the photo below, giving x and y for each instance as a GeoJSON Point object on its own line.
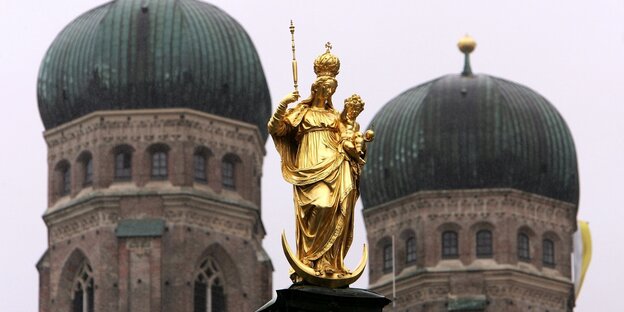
{"type": "Point", "coordinates": [571, 52]}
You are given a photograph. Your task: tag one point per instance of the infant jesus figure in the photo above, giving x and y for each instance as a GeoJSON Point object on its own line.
{"type": "Point", "coordinates": [352, 140]}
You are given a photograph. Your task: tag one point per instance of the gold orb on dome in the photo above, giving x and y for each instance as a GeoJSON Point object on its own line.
{"type": "Point", "coordinates": [466, 44]}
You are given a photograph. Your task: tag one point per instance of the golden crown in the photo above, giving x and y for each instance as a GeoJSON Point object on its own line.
{"type": "Point", "coordinates": [327, 64]}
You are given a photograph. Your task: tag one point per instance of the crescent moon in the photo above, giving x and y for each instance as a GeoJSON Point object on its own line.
{"type": "Point", "coordinates": [309, 275]}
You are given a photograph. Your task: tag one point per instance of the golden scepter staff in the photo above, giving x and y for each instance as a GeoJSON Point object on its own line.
{"type": "Point", "coordinates": [294, 60]}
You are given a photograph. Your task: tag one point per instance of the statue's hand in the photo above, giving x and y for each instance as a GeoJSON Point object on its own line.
{"type": "Point", "coordinates": [369, 135]}
{"type": "Point", "coordinates": [361, 161]}
{"type": "Point", "coordinates": [290, 98]}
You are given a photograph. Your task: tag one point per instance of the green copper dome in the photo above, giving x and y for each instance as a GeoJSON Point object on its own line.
{"type": "Point", "coordinates": [134, 54]}
{"type": "Point", "coordinates": [469, 132]}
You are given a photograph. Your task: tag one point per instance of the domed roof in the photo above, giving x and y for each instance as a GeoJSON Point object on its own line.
{"type": "Point", "coordinates": [131, 54]}
{"type": "Point", "coordinates": [468, 132]}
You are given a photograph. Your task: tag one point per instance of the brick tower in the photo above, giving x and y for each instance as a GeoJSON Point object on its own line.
{"type": "Point", "coordinates": [479, 194]}
{"type": "Point", "coordinates": [155, 118]}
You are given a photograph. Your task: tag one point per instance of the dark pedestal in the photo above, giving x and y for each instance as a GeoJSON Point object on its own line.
{"type": "Point", "coordinates": [306, 298]}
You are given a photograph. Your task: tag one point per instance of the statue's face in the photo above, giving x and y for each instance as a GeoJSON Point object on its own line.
{"type": "Point", "coordinates": [326, 89]}
{"type": "Point", "coordinates": [353, 111]}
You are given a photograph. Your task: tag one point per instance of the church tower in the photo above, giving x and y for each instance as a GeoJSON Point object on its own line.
{"type": "Point", "coordinates": [155, 115]}
{"type": "Point", "coordinates": [470, 197]}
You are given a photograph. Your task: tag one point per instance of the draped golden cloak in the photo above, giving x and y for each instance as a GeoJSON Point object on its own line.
{"type": "Point", "coordinates": [324, 184]}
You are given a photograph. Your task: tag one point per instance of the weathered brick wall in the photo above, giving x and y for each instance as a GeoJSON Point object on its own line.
{"type": "Point", "coordinates": [429, 283]}
{"type": "Point", "coordinates": [201, 219]}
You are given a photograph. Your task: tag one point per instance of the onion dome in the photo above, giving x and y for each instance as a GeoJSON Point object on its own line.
{"type": "Point", "coordinates": [469, 131]}
{"type": "Point", "coordinates": [133, 54]}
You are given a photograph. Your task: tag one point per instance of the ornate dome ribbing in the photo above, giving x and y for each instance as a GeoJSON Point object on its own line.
{"type": "Point", "coordinates": [467, 132]}
{"type": "Point", "coordinates": [133, 54]}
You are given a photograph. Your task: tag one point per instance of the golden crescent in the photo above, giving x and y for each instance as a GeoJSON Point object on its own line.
{"type": "Point", "coordinates": [309, 275]}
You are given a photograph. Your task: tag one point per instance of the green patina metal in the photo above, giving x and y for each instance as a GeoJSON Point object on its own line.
{"type": "Point", "coordinates": [469, 132]}
{"type": "Point", "coordinates": [140, 228]}
{"type": "Point", "coordinates": [467, 304]}
{"type": "Point", "coordinates": [133, 54]}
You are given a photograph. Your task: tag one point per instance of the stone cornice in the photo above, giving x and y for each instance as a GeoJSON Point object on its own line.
{"type": "Point", "coordinates": [81, 206]}
{"type": "Point", "coordinates": [481, 204]}
{"type": "Point", "coordinates": [102, 209]}
{"type": "Point", "coordinates": [424, 274]}
{"type": "Point", "coordinates": [75, 127]}
{"type": "Point", "coordinates": [211, 218]}
{"type": "Point", "coordinates": [503, 283]}
{"type": "Point", "coordinates": [131, 190]}
{"type": "Point", "coordinates": [211, 207]}
{"type": "Point", "coordinates": [161, 125]}
{"type": "Point", "coordinates": [73, 221]}
{"type": "Point", "coordinates": [506, 192]}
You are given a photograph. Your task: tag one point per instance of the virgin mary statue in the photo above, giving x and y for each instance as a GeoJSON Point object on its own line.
{"type": "Point", "coordinates": [324, 177]}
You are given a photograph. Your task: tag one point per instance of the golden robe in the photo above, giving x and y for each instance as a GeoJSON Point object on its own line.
{"type": "Point", "coordinates": [324, 184]}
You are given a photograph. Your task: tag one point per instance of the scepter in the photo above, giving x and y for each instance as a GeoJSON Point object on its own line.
{"type": "Point", "coordinates": [294, 60]}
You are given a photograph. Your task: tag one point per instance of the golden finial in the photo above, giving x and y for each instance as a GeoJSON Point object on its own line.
{"type": "Point", "coordinates": [466, 45]}
{"type": "Point", "coordinates": [328, 46]}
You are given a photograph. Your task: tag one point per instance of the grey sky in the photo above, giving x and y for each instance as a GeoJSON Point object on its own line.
{"type": "Point", "coordinates": [571, 52]}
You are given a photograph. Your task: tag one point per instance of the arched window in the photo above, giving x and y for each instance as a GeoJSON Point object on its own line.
{"type": "Point", "coordinates": [86, 161]}
{"type": "Point", "coordinates": [63, 178]}
{"type": "Point", "coordinates": [83, 291]}
{"type": "Point", "coordinates": [449, 245]}
{"type": "Point", "coordinates": [484, 244]}
{"type": "Point", "coordinates": [209, 295]}
{"type": "Point", "coordinates": [410, 250]}
{"type": "Point", "coordinates": [199, 168]}
{"type": "Point", "coordinates": [523, 247]}
{"type": "Point", "coordinates": [548, 252]}
{"type": "Point", "coordinates": [88, 172]}
{"type": "Point", "coordinates": [123, 165]}
{"type": "Point", "coordinates": [66, 187]}
{"type": "Point", "coordinates": [200, 165]}
{"type": "Point", "coordinates": [387, 258]}
{"type": "Point", "coordinates": [159, 161]}
{"type": "Point", "coordinates": [228, 172]}
{"type": "Point", "coordinates": [159, 165]}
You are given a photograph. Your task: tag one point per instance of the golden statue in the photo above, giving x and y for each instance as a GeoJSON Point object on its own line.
{"type": "Point", "coordinates": [322, 152]}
